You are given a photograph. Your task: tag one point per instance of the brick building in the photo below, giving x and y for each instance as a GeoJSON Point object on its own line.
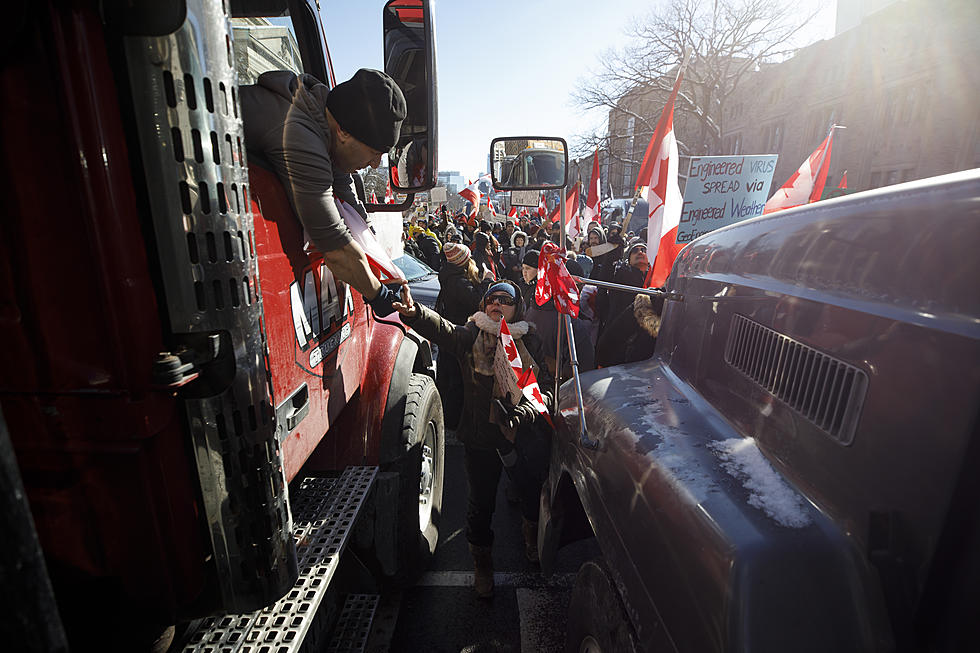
{"type": "Point", "coordinates": [903, 80]}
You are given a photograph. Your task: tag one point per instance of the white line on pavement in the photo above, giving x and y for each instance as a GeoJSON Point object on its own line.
{"type": "Point", "coordinates": [500, 579]}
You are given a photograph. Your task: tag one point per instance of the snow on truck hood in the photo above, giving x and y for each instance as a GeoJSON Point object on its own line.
{"type": "Point", "coordinates": [645, 398]}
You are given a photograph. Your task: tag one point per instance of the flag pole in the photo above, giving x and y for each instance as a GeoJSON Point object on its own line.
{"type": "Point", "coordinates": [823, 155]}
{"type": "Point", "coordinates": [639, 189]}
{"type": "Point", "coordinates": [561, 243]}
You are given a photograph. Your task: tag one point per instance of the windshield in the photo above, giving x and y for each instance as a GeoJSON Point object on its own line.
{"type": "Point", "coordinates": [412, 268]}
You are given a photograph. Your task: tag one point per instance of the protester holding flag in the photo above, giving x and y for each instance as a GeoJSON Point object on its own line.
{"type": "Point", "coordinates": [486, 443]}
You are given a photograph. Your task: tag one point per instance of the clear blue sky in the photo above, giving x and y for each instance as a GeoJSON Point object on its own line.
{"type": "Point", "coordinates": [506, 67]}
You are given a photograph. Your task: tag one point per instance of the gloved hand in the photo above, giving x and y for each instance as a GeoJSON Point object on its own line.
{"type": "Point", "coordinates": [381, 305]}
{"type": "Point", "coordinates": [521, 414]}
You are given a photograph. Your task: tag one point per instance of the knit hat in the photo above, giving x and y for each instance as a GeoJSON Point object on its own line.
{"type": "Point", "coordinates": [531, 258]}
{"type": "Point", "coordinates": [511, 289]}
{"type": "Point", "coordinates": [457, 254]}
{"type": "Point", "coordinates": [370, 107]}
{"type": "Point", "coordinates": [636, 242]}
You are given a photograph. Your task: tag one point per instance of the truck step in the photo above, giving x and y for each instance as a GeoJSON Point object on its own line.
{"type": "Point", "coordinates": [350, 635]}
{"type": "Point", "coordinates": [324, 513]}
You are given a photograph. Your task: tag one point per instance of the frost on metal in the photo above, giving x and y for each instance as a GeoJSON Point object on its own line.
{"type": "Point", "coordinates": [767, 490]}
{"type": "Point", "coordinates": [678, 453]}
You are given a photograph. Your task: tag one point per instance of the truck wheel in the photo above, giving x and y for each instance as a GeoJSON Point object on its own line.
{"type": "Point", "coordinates": [420, 469]}
{"type": "Point", "coordinates": [597, 621]}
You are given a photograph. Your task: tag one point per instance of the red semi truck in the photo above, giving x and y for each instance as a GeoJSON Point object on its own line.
{"type": "Point", "coordinates": [210, 434]}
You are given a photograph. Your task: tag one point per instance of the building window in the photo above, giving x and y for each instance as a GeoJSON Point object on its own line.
{"type": "Point", "coordinates": [875, 180]}
{"type": "Point", "coordinates": [630, 139]}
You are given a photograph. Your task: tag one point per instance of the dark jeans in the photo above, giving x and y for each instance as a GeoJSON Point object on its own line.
{"type": "Point", "coordinates": [483, 473]}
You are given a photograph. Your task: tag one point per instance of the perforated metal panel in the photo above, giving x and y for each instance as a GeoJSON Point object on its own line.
{"type": "Point", "coordinates": [826, 391]}
{"type": "Point", "coordinates": [325, 510]}
{"type": "Point", "coordinates": [354, 624]}
{"type": "Point", "coordinates": [185, 97]}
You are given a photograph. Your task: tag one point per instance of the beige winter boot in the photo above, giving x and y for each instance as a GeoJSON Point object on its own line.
{"type": "Point", "coordinates": [530, 529]}
{"type": "Point", "coordinates": [482, 571]}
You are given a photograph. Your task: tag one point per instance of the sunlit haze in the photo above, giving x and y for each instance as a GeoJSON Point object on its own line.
{"type": "Point", "coordinates": [508, 67]}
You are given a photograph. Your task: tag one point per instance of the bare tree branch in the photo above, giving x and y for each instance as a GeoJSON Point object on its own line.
{"type": "Point", "coordinates": [729, 41]}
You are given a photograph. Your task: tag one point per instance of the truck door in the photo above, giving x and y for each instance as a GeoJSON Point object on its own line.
{"type": "Point", "coordinates": [315, 324]}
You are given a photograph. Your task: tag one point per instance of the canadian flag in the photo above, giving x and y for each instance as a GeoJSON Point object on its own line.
{"type": "Point", "coordinates": [843, 181]}
{"type": "Point", "coordinates": [378, 260]}
{"type": "Point", "coordinates": [512, 213]}
{"type": "Point", "coordinates": [806, 184]}
{"type": "Point", "coordinates": [471, 193]}
{"type": "Point", "coordinates": [526, 380]}
{"type": "Point", "coordinates": [374, 197]}
{"type": "Point", "coordinates": [658, 173]}
{"type": "Point", "coordinates": [542, 206]}
{"type": "Point", "coordinates": [493, 211]}
{"type": "Point", "coordinates": [389, 196]}
{"type": "Point", "coordinates": [591, 211]}
{"type": "Point", "coordinates": [573, 221]}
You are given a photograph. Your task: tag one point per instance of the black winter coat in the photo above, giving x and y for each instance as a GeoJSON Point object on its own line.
{"type": "Point", "coordinates": [431, 254]}
{"type": "Point", "coordinates": [626, 275]}
{"type": "Point", "coordinates": [475, 427]}
{"type": "Point", "coordinates": [458, 297]}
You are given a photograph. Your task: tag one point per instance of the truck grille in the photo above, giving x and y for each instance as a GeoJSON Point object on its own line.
{"type": "Point", "coordinates": [825, 391]}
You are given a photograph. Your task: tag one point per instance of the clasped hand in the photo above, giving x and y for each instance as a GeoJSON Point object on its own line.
{"type": "Point", "coordinates": [406, 307]}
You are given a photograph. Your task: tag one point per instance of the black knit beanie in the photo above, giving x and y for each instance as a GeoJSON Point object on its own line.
{"type": "Point", "coordinates": [370, 107]}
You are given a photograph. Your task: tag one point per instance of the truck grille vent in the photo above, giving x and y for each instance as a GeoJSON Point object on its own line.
{"type": "Point", "coordinates": [827, 392]}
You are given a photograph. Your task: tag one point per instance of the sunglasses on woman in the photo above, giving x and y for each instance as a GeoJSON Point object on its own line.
{"type": "Point", "coordinates": [502, 299]}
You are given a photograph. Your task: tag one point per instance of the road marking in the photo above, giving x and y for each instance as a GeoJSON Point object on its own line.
{"type": "Point", "coordinates": [500, 579]}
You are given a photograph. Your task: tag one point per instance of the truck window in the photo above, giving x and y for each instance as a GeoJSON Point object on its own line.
{"type": "Point", "coordinates": [264, 43]}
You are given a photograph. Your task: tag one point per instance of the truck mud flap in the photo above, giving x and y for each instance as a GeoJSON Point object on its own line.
{"type": "Point", "coordinates": [325, 511]}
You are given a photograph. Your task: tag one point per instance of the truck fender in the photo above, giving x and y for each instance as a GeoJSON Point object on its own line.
{"type": "Point", "coordinates": [414, 356]}
{"type": "Point", "coordinates": [562, 520]}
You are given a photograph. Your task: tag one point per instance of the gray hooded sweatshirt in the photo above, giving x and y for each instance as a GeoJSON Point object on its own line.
{"type": "Point", "coordinates": [286, 126]}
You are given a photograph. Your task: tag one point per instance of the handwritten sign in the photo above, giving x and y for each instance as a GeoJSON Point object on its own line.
{"type": "Point", "coordinates": [503, 370]}
{"type": "Point", "coordinates": [723, 190]}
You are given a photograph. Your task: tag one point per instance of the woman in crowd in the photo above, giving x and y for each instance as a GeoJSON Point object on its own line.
{"type": "Point", "coordinates": [513, 255]}
{"type": "Point", "coordinates": [461, 287]}
{"type": "Point", "coordinates": [483, 254]}
{"type": "Point", "coordinates": [493, 431]}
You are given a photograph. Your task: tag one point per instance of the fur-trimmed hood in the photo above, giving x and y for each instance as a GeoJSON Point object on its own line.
{"type": "Point", "coordinates": [645, 315]}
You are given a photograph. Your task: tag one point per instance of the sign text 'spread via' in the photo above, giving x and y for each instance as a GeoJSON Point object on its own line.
{"type": "Point", "coordinates": [723, 190]}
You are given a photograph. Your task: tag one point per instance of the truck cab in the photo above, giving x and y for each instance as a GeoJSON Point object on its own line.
{"type": "Point", "coordinates": [205, 421]}
{"type": "Point", "coordinates": [794, 468]}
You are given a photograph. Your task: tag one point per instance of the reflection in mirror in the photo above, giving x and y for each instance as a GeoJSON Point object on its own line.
{"type": "Point", "coordinates": [411, 157]}
{"type": "Point", "coordinates": [528, 162]}
{"type": "Point", "coordinates": [405, 60]}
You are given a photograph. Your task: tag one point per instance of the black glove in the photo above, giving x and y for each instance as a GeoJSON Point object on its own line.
{"type": "Point", "coordinates": [381, 305]}
{"type": "Point", "coordinates": [521, 414]}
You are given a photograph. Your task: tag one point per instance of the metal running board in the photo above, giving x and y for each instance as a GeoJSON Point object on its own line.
{"type": "Point", "coordinates": [350, 635]}
{"type": "Point", "coordinates": [324, 513]}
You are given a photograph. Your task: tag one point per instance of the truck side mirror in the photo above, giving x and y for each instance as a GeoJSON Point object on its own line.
{"type": "Point", "coordinates": [529, 163]}
{"type": "Point", "coordinates": [410, 59]}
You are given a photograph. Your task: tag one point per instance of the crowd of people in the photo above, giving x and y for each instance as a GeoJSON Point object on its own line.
{"type": "Point", "coordinates": [488, 271]}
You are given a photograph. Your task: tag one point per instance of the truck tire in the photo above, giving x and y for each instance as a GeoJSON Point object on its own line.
{"type": "Point", "coordinates": [597, 621]}
{"type": "Point", "coordinates": [420, 468]}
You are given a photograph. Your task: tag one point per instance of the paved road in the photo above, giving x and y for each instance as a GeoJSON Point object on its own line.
{"type": "Point", "coordinates": [442, 614]}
